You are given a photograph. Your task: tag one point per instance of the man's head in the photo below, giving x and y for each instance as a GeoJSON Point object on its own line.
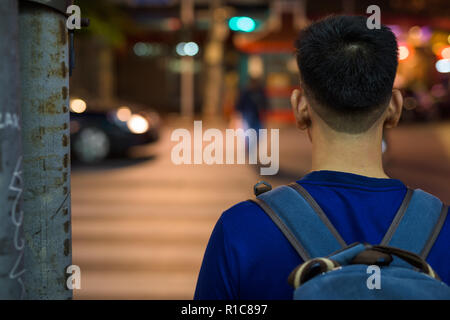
{"type": "Point", "coordinates": [347, 73]}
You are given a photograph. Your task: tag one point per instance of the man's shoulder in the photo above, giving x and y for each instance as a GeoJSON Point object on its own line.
{"type": "Point", "coordinates": [246, 222]}
{"type": "Point", "coordinates": [242, 212]}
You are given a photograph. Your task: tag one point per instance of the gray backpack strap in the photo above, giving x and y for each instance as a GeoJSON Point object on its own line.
{"type": "Point", "coordinates": [313, 204]}
{"type": "Point", "coordinates": [417, 223]}
{"type": "Point", "coordinates": [301, 220]}
{"type": "Point", "coordinates": [298, 247]}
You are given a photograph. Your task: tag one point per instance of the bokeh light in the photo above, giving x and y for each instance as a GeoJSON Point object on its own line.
{"type": "Point", "coordinates": [437, 47]}
{"type": "Point", "coordinates": [244, 24]}
{"type": "Point", "coordinates": [403, 52]}
{"type": "Point", "coordinates": [140, 49]}
{"type": "Point", "coordinates": [232, 23]}
{"type": "Point", "coordinates": [180, 49]}
{"type": "Point", "coordinates": [77, 105]}
{"type": "Point", "coordinates": [123, 113]}
{"type": "Point", "coordinates": [443, 66]}
{"type": "Point", "coordinates": [415, 33]}
{"type": "Point", "coordinates": [191, 49]}
{"type": "Point", "coordinates": [187, 49]}
{"type": "Point", "coordinates": [137, 124]}
{"type": "Point", "coordinates": [445, 53]}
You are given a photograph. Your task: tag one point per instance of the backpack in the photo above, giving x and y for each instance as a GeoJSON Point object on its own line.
{"type": "Point", "coordinates": [332, 270]}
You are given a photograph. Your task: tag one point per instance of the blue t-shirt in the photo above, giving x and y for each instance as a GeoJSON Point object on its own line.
{"type": "Point", "coordinates": [248, 257]}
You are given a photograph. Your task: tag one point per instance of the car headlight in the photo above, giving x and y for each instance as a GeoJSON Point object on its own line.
{"type": "Point", "coordinates": [137, 124]}
{"type": "Point", "coordinates": [123, 114]}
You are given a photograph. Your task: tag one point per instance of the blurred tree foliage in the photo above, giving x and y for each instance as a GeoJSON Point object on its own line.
{"type": "Point", "coordinates": [108, 21]}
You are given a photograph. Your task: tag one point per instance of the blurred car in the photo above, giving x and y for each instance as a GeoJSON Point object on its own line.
{"type": "Point", "coordinates": [98, 131]}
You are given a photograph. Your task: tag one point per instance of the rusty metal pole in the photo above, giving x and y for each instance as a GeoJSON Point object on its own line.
{"type": "Point", "coordinates": [11, 214]}
{"type": "Point", "coordinates": [44, 61]}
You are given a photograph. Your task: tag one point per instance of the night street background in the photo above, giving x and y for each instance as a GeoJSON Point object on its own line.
{"type": "Point", "coordinates": [92, 91]}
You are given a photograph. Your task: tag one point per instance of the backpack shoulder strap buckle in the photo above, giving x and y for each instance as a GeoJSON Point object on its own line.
{"type": "Point", "coordinates": [261, 187]}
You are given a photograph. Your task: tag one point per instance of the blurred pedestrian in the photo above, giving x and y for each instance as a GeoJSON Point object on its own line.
{"type": "Point", "coordinates": [252, 104]}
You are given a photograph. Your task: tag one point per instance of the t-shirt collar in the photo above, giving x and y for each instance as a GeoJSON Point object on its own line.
{"type": "Point", "coordinates": [349, 178]}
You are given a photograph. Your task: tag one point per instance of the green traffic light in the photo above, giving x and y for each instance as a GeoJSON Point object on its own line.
{"type": "Point", "coordinates": [243, 24]}
{"type": "Point", "coordinates": [232, 23]}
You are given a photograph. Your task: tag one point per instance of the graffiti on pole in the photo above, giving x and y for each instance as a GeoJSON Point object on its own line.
{"type": "Point", "coordinates": [9, 120]}
{"type": "Point", "coordinates": [15, 186]}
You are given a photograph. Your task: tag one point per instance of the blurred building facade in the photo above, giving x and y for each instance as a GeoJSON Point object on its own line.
{"type": "Point", "coordinates": [142, 64]}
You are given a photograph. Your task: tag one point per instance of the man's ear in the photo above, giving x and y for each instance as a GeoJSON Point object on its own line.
{"type": "Point", "coordinates": [299, 105]}
{"type": "Point", "coordinates": [394, 110]}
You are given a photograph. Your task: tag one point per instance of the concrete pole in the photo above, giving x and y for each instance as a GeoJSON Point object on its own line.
{"type": "Point", "coordinates": [11, 214]}
{"type": "Point", "coordinates": [214, 56]}
{"type": "Point", "coordinates": [44, 61]}
{"type": "Point", "coordinates": [187, 63]}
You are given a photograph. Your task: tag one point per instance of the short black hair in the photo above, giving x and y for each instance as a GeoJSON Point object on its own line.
{"type": "Point", "coordinates": [348, 70]}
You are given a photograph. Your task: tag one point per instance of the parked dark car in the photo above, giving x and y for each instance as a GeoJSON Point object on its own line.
{"type": "Point", "coordinates": [98, 131]}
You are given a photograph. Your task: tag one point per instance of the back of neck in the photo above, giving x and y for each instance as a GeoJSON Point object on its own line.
{"type": "Point", "coordinates": [358, 154]}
